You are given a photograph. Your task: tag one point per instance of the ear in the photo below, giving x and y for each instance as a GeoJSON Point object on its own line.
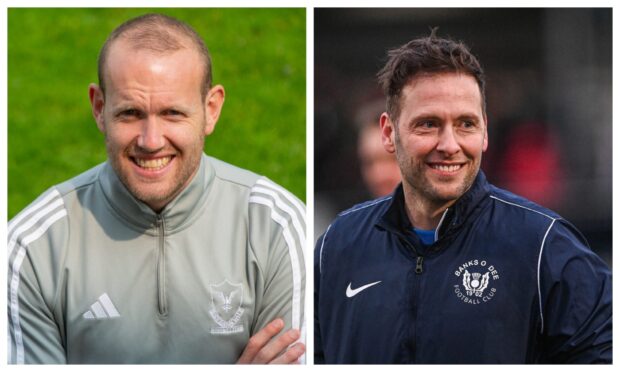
{"type": "Point", "coordinates": [97, 102]}
{"type": "Point", "coordinates": [485, 142]}
{"type": "Point", "coordinates": [213, 106]}
{"type": "Point", "coordinates": [387, 133]}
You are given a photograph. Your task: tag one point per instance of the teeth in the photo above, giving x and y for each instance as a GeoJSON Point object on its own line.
{"type": "Point", "coordinates": [153, 164]}
{"type": "Point", "coordinates": [447, 168]}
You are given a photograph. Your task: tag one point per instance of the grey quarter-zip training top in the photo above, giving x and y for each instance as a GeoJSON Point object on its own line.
{"type": "Point", "coordinates": [95, 276]}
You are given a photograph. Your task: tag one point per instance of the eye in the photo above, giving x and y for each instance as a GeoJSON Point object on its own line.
{"type": "Point", "coordinates": [469, 124]}
{"type": "Point", "coordinates": [427, 124]}
{"type": "Point", "coordinates": [130, 113]}
{"type": "Point", "coordinates": [172, 112]}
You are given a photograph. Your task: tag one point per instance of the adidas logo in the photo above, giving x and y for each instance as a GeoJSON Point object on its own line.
{"type": "Point", "coordinates": [102, 308]}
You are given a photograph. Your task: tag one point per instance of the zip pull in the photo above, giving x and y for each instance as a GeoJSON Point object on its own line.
{"type": "Point", "coordinates": [161, 268]}
{"type": "Point", "coordinates": [418, 265]}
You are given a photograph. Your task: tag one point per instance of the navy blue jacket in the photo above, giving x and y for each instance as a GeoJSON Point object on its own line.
{"type": "Point", "coordinates": [506, 281]}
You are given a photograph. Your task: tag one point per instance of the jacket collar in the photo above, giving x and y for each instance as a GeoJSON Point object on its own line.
{"type": "Point", "coordinates": [176, 215]}
{"type": "Point", "coordinates": [395, 217]}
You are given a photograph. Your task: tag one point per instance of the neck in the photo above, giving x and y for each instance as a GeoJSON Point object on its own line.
{"type": "Point", "coordinates": [422, 213]}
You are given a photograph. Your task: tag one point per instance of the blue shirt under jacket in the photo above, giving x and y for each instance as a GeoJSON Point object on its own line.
{"type": "Point", "coordinates": [506, 281]}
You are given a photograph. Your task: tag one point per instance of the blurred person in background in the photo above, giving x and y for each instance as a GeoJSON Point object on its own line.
{"type": "Point", "coordinates": [449, 268]}
{"type": "Point", "coordinates": [531, 164]}
{"type": "Point", "coordinates": [378, 167]}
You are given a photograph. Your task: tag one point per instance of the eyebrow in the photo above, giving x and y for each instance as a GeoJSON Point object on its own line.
{"type": "Point", "coordinates": [129, 106]}
{"type": "Point", "coordinates": [470, 116]}
{"type": "Point", "coordinates": [422, 117]}
{"type": "Point", "coordinates": [124, 107]}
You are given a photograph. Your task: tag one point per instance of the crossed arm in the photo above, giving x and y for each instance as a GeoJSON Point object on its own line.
{"type": "Point", "coordinates": [265, 348]}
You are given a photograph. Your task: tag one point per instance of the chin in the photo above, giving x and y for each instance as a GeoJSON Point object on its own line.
{"type": "Point", "coordinates": [148, 192]}
{"type": "Point", "coordinates": [448, 194]}
{"type": "Point", "coordinates": [148, 197]}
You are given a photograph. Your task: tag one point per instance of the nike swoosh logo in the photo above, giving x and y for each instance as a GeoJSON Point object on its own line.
{"type": "Point", "coordinates": [353, 292]}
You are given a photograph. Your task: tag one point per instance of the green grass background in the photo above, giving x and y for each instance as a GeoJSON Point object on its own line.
{"type": "Point", "coordinates": [258, 55]}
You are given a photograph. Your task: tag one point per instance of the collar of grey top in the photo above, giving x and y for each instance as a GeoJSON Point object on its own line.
{"type": "Point", "coordinates": [175, 216]}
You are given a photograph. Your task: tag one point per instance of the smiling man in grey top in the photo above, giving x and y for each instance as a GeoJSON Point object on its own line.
{"type": "Point", "coordinates": [161, 254]}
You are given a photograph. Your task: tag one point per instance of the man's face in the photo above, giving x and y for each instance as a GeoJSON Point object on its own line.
{"type": "Point", "coordinates": [154, 119]}
{"type": "Point", "coordinates": [439, 137]}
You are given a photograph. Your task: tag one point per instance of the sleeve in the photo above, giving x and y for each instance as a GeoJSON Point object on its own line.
{"type": "Point", "coordinates": [34, 336]}
{"type": "Point", "coordinates": [34, 332]}
{"type": "Point", "coordinates": [576, 298]}
{"type": "Point", "coordinates": [278, 221]}
{"type": "Point", "coordinates": [319, 356]}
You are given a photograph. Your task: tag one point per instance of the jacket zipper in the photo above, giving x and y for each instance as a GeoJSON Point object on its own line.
{"type": "Point", "coordinates": [419, 269]}
{"type": "Point", "coordinates": [161, 269]}
{"type": "Point", "coordinates": [416, 288]}
{"type": "Point", "coordinates": [418, 265]}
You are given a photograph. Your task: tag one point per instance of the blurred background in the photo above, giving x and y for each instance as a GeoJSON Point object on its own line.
{"type": "Point", "coordinates": [549, 105]}
{"type": "Point", "coordinates": [258, 55]}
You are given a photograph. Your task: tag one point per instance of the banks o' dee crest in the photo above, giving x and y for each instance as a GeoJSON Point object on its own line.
{"type": "Point", "coordinates": [226, 310]}
{"type": "Point", "coordinates": [475, 282]}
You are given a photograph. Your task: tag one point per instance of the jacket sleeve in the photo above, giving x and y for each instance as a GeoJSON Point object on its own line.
{"type": "Point", "coordinates": [34, 337]}
{"type": "Point", "coordinates": [277, 233]}
{"type": "Point", "coordinates": [34, 331]}
{"type": "Point", "coordinates": [319, 356]}
{"type": "Point", "coordinates": [576, 298]}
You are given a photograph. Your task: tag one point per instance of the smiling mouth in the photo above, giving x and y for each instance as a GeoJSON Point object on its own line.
{"type": "Point", "coordinates": [152, 164]}
{"type": "Point", "coordinates": [447, 168]}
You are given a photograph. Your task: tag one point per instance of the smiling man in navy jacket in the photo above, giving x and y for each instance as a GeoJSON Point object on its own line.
{"type": "Point", "coordinates": [449, 268]}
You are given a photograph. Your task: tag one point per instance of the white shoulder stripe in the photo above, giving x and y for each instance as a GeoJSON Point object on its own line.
{"type": "Point", "coordinates": [292, 250]}
{"type": "Point", "coordinates": [321, 251]}
{"type": "Point", "coordinates": [14, 284]}
{"type": "Point", "coordinates": [31, 209]}
{"type": "Point", "coordinates": [300, 208]}
{"type": "Point", "coordinates": [520, 206]}
{"type": "Point", "coordinates": [30, 223]}
{"type": "Point", "coordinates": [365, 206]}
{"type": "Point", "coordinates": [542, 245]}
{"type": "Point", "coordinates": [284, 207]}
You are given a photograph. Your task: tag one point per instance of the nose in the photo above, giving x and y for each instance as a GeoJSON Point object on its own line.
{"type": "Point", "coordinates": [151, 138]}
{"type": "Point", "coordinates": [447, 141]}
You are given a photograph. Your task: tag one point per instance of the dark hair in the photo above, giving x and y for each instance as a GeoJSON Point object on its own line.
{"type": "Point", "coordinates": [426, 55]}
{"type": "Point", "coordinates": [161, 34]}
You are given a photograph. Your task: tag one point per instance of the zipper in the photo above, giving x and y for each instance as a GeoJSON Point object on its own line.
{"type": "Point", "coordinates": [416, 289]}
{"type": "Point", "coordinates": [161, 268]}
{"type": "Point", "coordinates": [419, 259]}
{"type": "Point", "coordinates": [418, 265]}
{"type": "Point", "coordinates": [419, 269]}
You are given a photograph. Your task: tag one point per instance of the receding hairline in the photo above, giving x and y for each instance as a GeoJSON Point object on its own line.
{"type": "Point", "coordinates": [159, 34]}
